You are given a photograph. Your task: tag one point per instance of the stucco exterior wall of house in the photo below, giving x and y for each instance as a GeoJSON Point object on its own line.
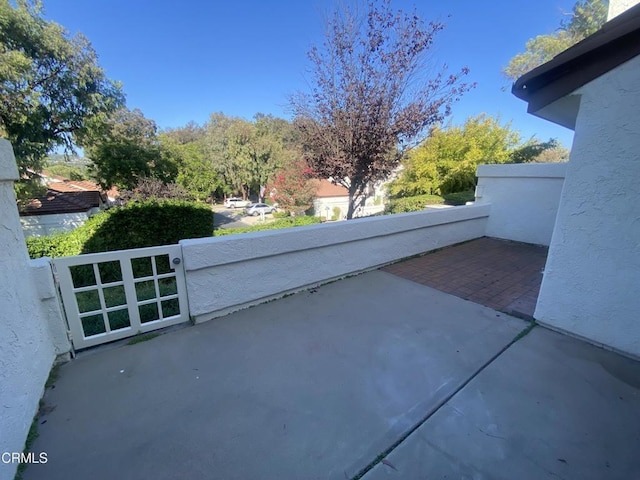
{"type": "Point", "coordinates": [40, 225]}
{"type": "Point", "coordinates": [616, 7]}
{"type": "Point", "coordinates": [224, 274]}
{"type": "Point", "coordinates": [320, 205]}
{"type": "Point", "coordinates": [26, 347]}
{"type": "Point", "coordinates": [590, 285]}
{"type": "Point", "coordinates": [524, 199]}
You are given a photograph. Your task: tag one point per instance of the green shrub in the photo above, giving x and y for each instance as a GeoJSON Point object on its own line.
{"type": "Point", "coordinates": [281, 214]}
{"type": "Point", "coordinates": [412, 204]}
{"type": "Point", "coordinates": [336, 213]}
{"type": "Point", "coordinates": [145, 224]}
{"type": "Point", "coordinates": [150, 223]}
{"type": "Point", "coordinates": [48, 246]}
{"type": "Point", "coordinates": [281, 223]}
{"type": "Point", "coordinates": [459, 198]}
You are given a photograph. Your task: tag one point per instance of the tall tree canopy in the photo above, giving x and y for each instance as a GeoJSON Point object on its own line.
{"type": "Point", "coordinates": [585, 19]}
{"type": "Point", "coordinates": [196, 173]}
{"type": "Point", "coordinates": [125, 148]}
{"type": "Point", "coordinates": [247, 154]}
{"type": "Point", "coordinates": [446, 162]}
{"type": "Point", "coordinates": [50, 84]}
{"type": "Point", "coordinates": [374, 95]}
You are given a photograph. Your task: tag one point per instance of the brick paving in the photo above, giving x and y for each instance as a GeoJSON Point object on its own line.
{"type": "Point", "coordinates": [499, 274]}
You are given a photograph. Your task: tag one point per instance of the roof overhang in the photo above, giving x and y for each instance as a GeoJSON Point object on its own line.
{"type": "Point", "coordinates": [548, 88]}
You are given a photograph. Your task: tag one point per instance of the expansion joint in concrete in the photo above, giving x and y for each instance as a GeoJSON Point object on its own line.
{"type": "Point", "coordinates": [381, 457]}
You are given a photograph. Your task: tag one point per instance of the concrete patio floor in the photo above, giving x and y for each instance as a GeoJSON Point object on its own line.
{"type": "Point", "coordinates": [324, 383]}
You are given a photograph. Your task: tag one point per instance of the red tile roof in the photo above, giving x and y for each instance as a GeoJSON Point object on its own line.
{"type": "Point", "coordinates": [328, 189]}
{"type": "Point", "coordinates": [74, 186]}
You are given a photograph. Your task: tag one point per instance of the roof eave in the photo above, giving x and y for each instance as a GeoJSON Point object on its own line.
{"type": "Point", "coordinates": [546, 86]}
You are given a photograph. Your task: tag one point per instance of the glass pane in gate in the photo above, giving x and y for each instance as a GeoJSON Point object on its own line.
{"type": "Point", "coordinates": [82, 275]}
{"type": "Point", "coordinates": [119, 319]}
{"type": "Point", "coordinates": [148, 313]}
{"type": "Point", "coordinates": [93, 325]}
{"type": "Point", "coordinates": [110, 272]}
{"type": "Point", "coordinates": [88, 301]}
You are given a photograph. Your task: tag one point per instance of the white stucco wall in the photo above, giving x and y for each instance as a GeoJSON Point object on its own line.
{"type": "Point", "coordinates": [40, 225]}
{"type": "Point", "coordinates": [45, 288]}
{"type": "Point", "coordinates": [616, 7]}
{"type": "Point", "coordinates": [320, 204]}
{"type": "Point", "coordinates": [524, 199]}
{"type": "Point", "coordinates": [227, 273]}
{"type": "Point", "coordinates": [26, 347]}
{"type": "Point", "coordinates": [592, 277]}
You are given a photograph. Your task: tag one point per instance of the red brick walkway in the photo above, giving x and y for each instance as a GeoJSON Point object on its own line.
{"type": "Point", "coordinates": [500, 274]}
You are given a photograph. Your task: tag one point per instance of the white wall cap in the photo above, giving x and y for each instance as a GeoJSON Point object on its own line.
{"type": "Point", "coordinates": [523, 170]}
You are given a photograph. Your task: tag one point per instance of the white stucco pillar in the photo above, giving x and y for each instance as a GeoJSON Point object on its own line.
{"type": "Point", "coordinates": [591, 285]}
{"type": "Point", "coordinates": [26, 348]}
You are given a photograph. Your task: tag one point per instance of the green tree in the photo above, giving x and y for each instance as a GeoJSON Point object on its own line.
{"type": "Point", "coordinates": [196, 173]}
{"type": "Point", "coordinates": [535, 151]}
{"type": "Point", "coordinates": [446, 161]}
{"type": "Point", "coordinates": [553, 155]}
{"type": "Point", "coordinates": [585, 19]}
{"type": "Point", "coordinates": [190, 133]}
{"type": "Point", "coordinates": [71, 172]}
{"type": "Point", "coordinates": [247, 154]}
{"type": "Point", "coordinates": [217, 144]}
{"type": "Point", "coordinates": [124, 148]}
{"type": "Point", "coordinates": [50, 84]}
{"type": "Point", "coordinates": [374, 95]}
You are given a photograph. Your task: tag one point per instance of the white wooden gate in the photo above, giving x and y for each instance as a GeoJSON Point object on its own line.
{"type": "Point", "coordinates": [113, 295]}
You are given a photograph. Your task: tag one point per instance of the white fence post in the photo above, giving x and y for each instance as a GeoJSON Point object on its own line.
{"type": "Point", "coordinates": [26, 348]}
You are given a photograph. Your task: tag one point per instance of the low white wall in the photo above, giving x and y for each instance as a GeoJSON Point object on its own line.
{"type": "Point", "coordinates": [524, 199]}
{"type": "Point", "coordinates": [45, 287]}
{"type": "Point", "coordinates": [26, 347]}
{"type": "Point", "coordinates": [591, 282]}
{"type": "Point", "coordinates": [40, 225]}
{"type": "Point", "coordinates": [227, 273]}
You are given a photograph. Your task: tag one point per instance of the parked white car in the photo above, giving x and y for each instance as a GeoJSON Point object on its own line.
{"type": "Point", "coordinates": [236, 202]}
{"type": "Point", "coordinates": [258, 208]}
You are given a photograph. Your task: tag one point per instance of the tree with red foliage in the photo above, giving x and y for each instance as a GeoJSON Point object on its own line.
{"type": "Point", "coordinates": [374, 95]}
{"type": "Point", "coordinates": [293, 187]}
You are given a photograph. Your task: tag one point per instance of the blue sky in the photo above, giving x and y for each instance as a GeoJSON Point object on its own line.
{"type": "Point", "coordinates": [182, 61]}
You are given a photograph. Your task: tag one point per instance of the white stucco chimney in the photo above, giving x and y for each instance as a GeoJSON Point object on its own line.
{"type": "Point", "coordinates": [616, 7]}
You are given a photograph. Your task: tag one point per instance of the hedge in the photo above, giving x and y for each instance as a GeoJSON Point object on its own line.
{"type": "Point", "coordinates": [459, 198]}
{"type": "Point", "coordinates": [414, 204]}
{"type": "Point", "coordinates": [280, 223]}
{"type": "Point", "coordinates": [144, 224]}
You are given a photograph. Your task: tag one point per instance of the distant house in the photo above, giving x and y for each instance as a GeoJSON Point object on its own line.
{"type": "Point", "coordinates": [67, 205]}
{"type": "Point", "coordinates": [592, 276]}
{"type": "Point", "coordinates": [332, 201]}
